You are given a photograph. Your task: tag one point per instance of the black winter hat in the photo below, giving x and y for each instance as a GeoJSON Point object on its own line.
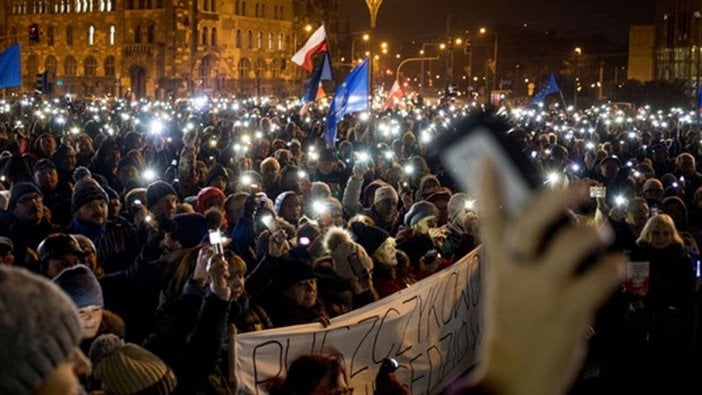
{"type": "Point", "coordinates": [156, 191]}
{"type": "Point", "coordinates": [44, 164]}
{"type": "Point", "coordinates": [290, 271]}
{"type": "Point", "coordinates": [59, 245]}
{"type": "Point", "coordinates": [20, 189]}
{"type": "Point", "coordinates": [369, 237]}
{"type": "Point", "coordinates": [85, 192]}
{"type": "Point", "coordinates": [191, 229]}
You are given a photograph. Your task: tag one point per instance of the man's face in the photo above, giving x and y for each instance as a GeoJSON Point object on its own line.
{"type": "Point", "coordinates": [638, 214]}
{"type": "Point", "coordinates": [47, 179]}
{"type": "Point", "coordinates": [93, 213]}
{"type": "Point", "coordinates": [166, 206]}
{"type": "Point", "coordinates": [29, 208]}
{"type": "Point", "coordinates": [90, 319]}
{"type": "Point", "coordinates": [7, 259]}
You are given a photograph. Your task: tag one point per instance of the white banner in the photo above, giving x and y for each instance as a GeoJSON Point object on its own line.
{"type": "Point", "coordinates": [431, 328]}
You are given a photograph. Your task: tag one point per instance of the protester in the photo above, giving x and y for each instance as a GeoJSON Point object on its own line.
{"type": "Point", "coordinates": [41, 332]}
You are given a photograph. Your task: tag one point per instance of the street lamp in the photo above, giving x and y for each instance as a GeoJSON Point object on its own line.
{"type": "Point", "coordinates": [373, 8]}
{"type": "Point", "coordinates": [365, 37]}
{"type": "Point", "coordinates": [422, 52]}
{"type": "Point", "coordinates": [484, 31]}
{"type": "Point", "coordinates": [308, 28]}
{"type": "Point", "coordinates": [578, 53]}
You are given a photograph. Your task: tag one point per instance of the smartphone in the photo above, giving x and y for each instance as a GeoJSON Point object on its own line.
{"type": "Point", "coordinates": [216, 241]}
{"type": "Point", "coordinates": [598, 192]}
{"type": "Point", "coordinates": [269, 222]}
{"type": "Point", "coordinates": [487, 134]}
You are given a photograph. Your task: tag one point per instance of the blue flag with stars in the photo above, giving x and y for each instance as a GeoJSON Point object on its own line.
{"type": "Point", "coordinates": [548, 88]}
{"type": "Point", "coordinates": [351, 96]}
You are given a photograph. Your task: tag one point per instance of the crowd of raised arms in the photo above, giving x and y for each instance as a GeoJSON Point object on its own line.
{"type": "Point", "coordinates": [114, 203]}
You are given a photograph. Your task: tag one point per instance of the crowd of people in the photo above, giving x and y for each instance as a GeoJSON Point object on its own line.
{"type": "Point", "coordinates": [114, 203]}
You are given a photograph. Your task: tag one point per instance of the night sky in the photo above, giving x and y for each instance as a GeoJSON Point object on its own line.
{"type": "Point", "coordinates": [410, 18]}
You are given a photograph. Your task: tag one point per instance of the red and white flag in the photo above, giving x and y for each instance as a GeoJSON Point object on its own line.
{"type": "Point", "coordinates": [393, 97]}
{"type": "Point", "coordinates": [315, 44]}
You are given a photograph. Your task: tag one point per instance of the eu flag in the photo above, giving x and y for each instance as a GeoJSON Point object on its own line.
{"type": "Point", "coordinates": [10, 73]}
{"type": "Point", "coordinates": [548, 88]}
{"type": "Point", "coordinates": [323, 73]}
{"type": "Point", "coordinates": [351, 96]}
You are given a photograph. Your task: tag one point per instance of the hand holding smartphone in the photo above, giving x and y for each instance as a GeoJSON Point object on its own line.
{"type": "Point", "coordinates": [486, 135]}
{"type": "Point", "coordinates": [216, 241]}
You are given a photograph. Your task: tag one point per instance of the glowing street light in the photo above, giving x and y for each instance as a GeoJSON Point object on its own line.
{"type": "Point", "coordinates": [484, 31]}
{"type": "Point", "coordinates": [308, 28]}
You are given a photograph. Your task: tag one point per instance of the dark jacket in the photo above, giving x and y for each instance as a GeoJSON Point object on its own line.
{"type": "Point", "coordinates": [115, 243]}
{"type": "Point", "coordinates": [192, 347]}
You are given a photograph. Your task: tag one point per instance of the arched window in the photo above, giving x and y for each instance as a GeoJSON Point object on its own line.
{"type": "Point", "coordinates": [281, 42]}
{"type": "Point", "coordinates": [256, 11]}
{"type": "Point", "coordinates": [243, 68]}
{"type": "Point", "coordinates": [32, 64]}
{"type": "Point", "coordinates": [130, 4]}
{"type": "Point", "coordinates": [50, 65]}
{"type": "Point", "coordinates": [250, 39]}
{"type": "Point", "coordinates": [69, 66]}
{"type": "Point", "coordinates": [205, 69]}
{"type": "Point", "coordinates": [261, 68]}
{"type": "Point", "coordinates": [263, 11]}
{"type": "Point", "coordinates": [270, 40]}
{"type": "Point", "coordinates": [213, 5]}
{"type": "Point", "coordinates": [236, 7]}
{"type": "Point", "coordinates": [50, 33]}
{"type": "Point", "coordinates": [112, 34]}
{"type": "Point", "coordinates": [275, 69]}
{"type": "Point", "coordinates": [110, 66]}
{"type": "Point", "coordinates": [243, 8]}
{"type": "Point", "coordinates": [89, 66]}
{"type": "Point", "coordinates": [151, 33]}
{"type": "Point", "coordinates": [259, 40]}
{"type": "Point", "coordinates": [69, 35]}
{"type": "Point", "coordinates": [91, 35]}
{"type": "Point", "coordinates": [204, 36]}
{"type": "Point", "coordinates": [280, 13]}
{"type": "Point", "coordinates": [137, 34]}
{"type": "Point", "coordinates": [238, 38]}
{"type": "Point", "coordinates": [79, 6]}
{"type": "Point", "coordinates": [205, 5]}
{"type": "Point", "coordinates": [213, 36]}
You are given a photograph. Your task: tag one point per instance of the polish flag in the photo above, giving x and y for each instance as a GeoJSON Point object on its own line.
{"type": "Point", "coordinates": [393, 97]}
{"type": "Point", "coordinates": [315, 44]}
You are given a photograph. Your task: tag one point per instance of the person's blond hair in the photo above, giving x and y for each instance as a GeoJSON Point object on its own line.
{"type": "Point", "coordinates": [653, 223]}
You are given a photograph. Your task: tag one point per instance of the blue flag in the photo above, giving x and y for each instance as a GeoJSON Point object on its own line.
{"type": "Point", "coordinates": [351, 96]}
{"type": "Point", "coordinates": [323, 73]}
{"type": "Point", "coordinates": [548, 88]}
{"type": "Point", "coordinates": [10, 72]}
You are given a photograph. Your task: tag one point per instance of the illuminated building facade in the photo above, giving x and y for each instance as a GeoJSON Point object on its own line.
{"type": "Point", "coordinates": [154, 48]}
{"type": "Point", "coordinates": [678, 40]}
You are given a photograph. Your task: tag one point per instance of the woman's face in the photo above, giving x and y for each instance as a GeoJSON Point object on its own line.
{"type": "Point", "coordinates": [387, 253]}
{"type": "Point", "coordinates": [303, 293]}
{"type": "Point", "coordinates": [291, 209]}
{"type": "Point", "coordinates": [661, 236]}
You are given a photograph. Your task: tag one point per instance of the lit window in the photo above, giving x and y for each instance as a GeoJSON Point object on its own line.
{"type": "Point", "coordinates": [91, 35]}
{"type": "Point", "coordinates": [113, 33]}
